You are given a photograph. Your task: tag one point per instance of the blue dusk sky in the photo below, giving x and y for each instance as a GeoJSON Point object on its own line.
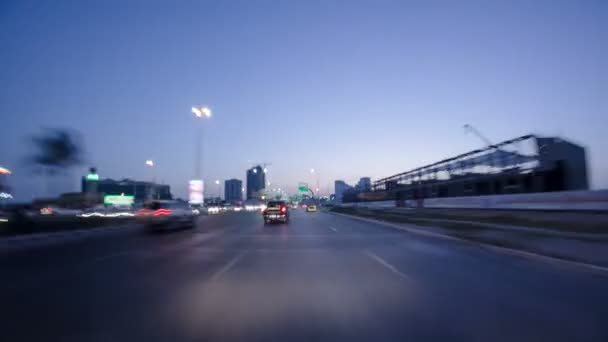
{"type": "Point", "coordinates": [351, 88]}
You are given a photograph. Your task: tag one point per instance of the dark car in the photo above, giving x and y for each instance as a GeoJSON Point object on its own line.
{"type": "Point", "coordinates": [276, 211]}
{"type": "Point", "coordinates": [166, 215]}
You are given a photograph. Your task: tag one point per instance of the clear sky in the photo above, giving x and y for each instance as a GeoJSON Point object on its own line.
{"type": "Point", "coordinates": [351, 88]}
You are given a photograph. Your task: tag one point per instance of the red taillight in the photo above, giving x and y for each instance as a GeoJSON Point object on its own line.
{"type": "Point", "coordinates": [283, 209]}
{"type": "Point", "coordinates": [263, 211]}
{"type": "Point", "coordinates": [162, 212]}
{"type": "Point", "coordinates": [143, 212]}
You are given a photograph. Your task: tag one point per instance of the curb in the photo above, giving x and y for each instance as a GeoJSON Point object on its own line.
{"type": "Point", "coordinates": [505, 250]}
{"type": "Point", "coordinates": [45, 239]}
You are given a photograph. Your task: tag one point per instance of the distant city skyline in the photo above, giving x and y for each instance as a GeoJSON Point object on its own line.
{"type": "Point", "coordinates": [350, 89]}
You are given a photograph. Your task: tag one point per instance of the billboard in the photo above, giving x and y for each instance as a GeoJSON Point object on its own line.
{"type": "Point", "coordinates": [195, 191]}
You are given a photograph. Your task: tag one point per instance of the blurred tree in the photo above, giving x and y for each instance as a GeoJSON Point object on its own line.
{"type": "Point", "coordinates": [56, 150]}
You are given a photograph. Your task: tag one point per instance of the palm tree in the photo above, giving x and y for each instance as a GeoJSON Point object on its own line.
{"type": "Point", "coordinates": [56, 150]}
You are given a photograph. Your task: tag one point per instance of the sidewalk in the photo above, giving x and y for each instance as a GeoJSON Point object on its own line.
{"type": "Point", "coordinates": [590, 248]}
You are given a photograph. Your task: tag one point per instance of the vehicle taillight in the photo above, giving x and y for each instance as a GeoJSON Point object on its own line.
{"type": "Point", "coordinates": [162, 212]}
{"type": "Point", "coordinates": [263, 211]}
{"type": "Point", "coordinates": [143, 212]}
{"type": "Point", "coordinates": [283, 209]}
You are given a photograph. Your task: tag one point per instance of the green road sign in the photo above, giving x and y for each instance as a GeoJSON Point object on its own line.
{"type": "Point", "coordinates": [92, 177]}
{"type": "Point", "coordinates": [303, 188]}
{"type": "Point", "coordinates": [118, 199]}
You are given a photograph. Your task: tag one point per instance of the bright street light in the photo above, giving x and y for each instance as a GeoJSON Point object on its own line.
{"type": "Point", "coordinates": [312, 170]}
{"type": "Point", "coordinates": [149, 162]}
{"type": "Point", "coordinates": [202, 112]}
{"type": "Point", "coordinates": [217, 182]}
{"type": "Point", "coordinates": [265, 170]}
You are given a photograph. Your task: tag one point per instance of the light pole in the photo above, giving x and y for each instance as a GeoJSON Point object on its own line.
{"type": "Point", "coordinates": [314, 172]}
{"type": "Point", "coordinates": [219, 189]}
{"type": "Point", "coordinates": [200, 113]}
{"type": "Point", "coordinates": [150, 164]}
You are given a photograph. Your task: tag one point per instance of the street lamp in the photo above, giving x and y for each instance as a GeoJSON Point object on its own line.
{"type": "Point", "coordinates": [201, 113]}
{"type": "Point", "coordinates": [149, 163]}
{"type": "Point", "coordinates": [313, 171]}
{"type": "Point", "coordinates": [219, 189]}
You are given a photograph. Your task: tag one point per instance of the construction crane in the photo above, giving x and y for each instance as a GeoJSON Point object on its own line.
{"type": "Point", "coordinates": [262, 164]}
{"type": "Point", "coordinates": [470, 129]}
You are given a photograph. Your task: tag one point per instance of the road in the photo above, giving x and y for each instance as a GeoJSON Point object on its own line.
{"type": "Point", "coordinates": [321, 278]}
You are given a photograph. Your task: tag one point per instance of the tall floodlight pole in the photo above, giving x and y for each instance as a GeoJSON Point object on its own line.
{"type": "Point", "coordinates": [200, 113]}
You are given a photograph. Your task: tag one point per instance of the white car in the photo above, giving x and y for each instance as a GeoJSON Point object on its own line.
{"type": "Point", "coordinates": [166, 215]}
{"type": "Point", "coordinates": [213, 210]}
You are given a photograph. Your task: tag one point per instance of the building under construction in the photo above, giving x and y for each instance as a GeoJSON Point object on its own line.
{"type": "Point", "coordinates": [521, 165]}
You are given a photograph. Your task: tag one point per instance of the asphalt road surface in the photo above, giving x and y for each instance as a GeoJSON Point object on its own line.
{"type": "Point", "coordinates": [320, 278]}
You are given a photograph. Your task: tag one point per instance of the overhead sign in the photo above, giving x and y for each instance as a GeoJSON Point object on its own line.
{"type": "Point", "coordinates": [303, 187]}
{"type": "Point", "coordinates": [118, 200]}
{"type": "Point", "coordinates": [195, 191]}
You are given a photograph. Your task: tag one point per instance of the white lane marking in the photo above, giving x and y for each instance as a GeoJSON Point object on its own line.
{"type": "Point", "coordinates": [386, 264]}
{"type": "Point", "coordinates": [333, 228]}
{"type": "Point", "coordinates": [227, 267]}
{"type": "Point", "coordinates": [602, 270]}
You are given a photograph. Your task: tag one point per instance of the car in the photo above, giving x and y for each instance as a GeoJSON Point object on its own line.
{"type": "Point", "coordinates": [311, 208]}
{"type": "Point", "coordinates": [164, 215]}
{"type": "Point", "coordinates": [276, 211]}
{"type": "Point", "coordinates": [59, 211]}
{"type": "Point", "coordinates": [213, 209]}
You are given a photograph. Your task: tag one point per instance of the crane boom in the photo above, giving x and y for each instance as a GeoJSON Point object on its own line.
{"type": "Point", "coordinates": [469, 128]}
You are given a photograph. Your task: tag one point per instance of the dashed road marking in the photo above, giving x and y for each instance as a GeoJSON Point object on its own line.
{"type": "Point", "coordinates": [217, 275]}
{"type": "Point", "coordinates": [333, 228]}
{"type": "Point", "coordinates": [386, 265]}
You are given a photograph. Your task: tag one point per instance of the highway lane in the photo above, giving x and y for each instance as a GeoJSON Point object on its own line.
{"type": "Point", "coordinates": [322, 277]}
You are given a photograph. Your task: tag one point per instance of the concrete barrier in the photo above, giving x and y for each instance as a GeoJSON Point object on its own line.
{"type": "Point", "coordinates": [596, 200]}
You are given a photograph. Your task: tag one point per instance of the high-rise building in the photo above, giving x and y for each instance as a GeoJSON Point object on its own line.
{"type": "Point", "coordinates": [365, 184]}
{"type": "Point", "coordinates": [233, 190]}
{"type": "Point", "coordinates": [256, 182]}
{"type": "Point", "coordinates": [339, 188]}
